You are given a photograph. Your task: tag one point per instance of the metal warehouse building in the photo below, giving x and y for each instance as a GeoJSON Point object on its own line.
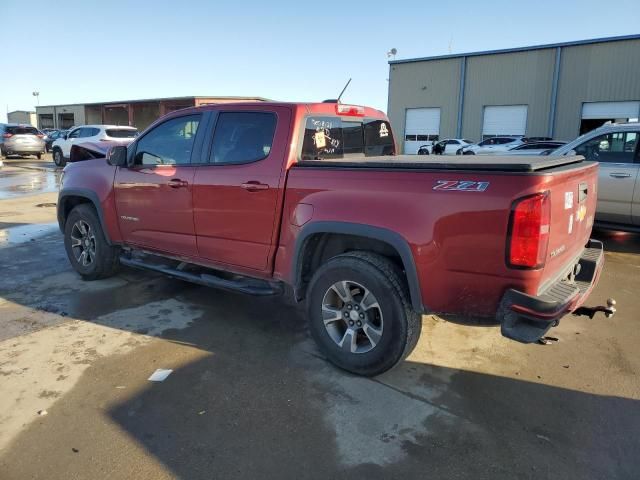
{"type": "Point", "coordinates": [558, 90]}
{"type": "Point", "coordinates": [136, 113]}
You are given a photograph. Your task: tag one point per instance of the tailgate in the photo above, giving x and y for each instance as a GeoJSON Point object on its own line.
{"type": "Point", "coordinates": [573, 205]}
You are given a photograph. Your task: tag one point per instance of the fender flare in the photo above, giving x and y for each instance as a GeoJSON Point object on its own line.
{"type": "Point", "coordinates": [389, 237]}
{"type": "Point", "coordinates": [84, 193]}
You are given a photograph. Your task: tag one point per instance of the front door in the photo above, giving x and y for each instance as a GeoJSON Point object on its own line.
{"type": "Point", "coordinates": [154, 196]}
{"type": "Point", "coordinates": [618, 172]}
{"type": "Point", "coordinates": [237, 192]}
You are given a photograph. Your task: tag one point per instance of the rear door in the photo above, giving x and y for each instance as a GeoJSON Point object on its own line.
{"type": "Point", "coordinates": [154, 196]}
{"type": "Point", "coordinates": [238, 186]}
{"type": "Point", "coordinates": [616, 153]}
{"type": "Point", "coordinates": [451, 147]}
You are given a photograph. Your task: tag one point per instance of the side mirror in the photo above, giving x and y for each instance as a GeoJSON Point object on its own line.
{"type": "Point", "coordinates": [117, 156]}
{"type": "Point", "coordinates": [66, 135]}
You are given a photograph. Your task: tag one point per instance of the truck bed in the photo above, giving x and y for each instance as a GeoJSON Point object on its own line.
{"type": "Point", "coordinates": [488, 163]}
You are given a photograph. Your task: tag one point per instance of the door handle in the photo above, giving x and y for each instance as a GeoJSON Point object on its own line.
{"type": "Point", "coordinates": [177, 183]}
{"type": "Point", "coordinates": [254, 186]}
{"type": "Point", "coordinates": [619, 175]}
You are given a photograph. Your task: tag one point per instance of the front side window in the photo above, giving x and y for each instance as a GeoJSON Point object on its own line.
{"type": "Point", "coordinates": [75, 133]}
{"type": "Point", "coordinates": [242, 137]}
{"type": "Point", "coordinates": [618, 147]}
{"type": "Point", "coordinates": [170, 143]}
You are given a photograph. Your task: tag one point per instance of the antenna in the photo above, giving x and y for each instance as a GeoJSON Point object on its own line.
{"type": "Point", "coordinates": [392, 53]}
{"type": "Point", "coordinates": [345, 87]}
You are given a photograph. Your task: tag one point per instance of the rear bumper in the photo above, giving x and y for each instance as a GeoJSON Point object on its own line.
{"type": "Point", "coordinates": [526, 318]}
{"type": "Point", "coordinates": [23, 148]}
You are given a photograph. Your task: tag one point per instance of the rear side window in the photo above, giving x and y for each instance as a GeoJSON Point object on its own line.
{"type": "Point", "coordinates": [121, 133]}
{"type": "Point", "coordinates": [242, 137]}
{"type": "Point", "coordinates": [22, 130]}
{"type": "Point", "coordinates": [332, 137]}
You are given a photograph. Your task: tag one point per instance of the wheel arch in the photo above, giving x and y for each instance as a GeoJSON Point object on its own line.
{"type": "Point", "coordinates": [69, 198]}
{"type": "Point", "coordinates": [318, 241]}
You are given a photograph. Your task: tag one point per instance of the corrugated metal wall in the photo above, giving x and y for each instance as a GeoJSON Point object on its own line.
{"type": "Point", "coordinates": [522, 78]}
{"type": "Point", "coordinates": [598, 72]}
{"type": "Point", "coordinates": [424, 84]}
{"type": "Point", "coordinates": [602, 72]}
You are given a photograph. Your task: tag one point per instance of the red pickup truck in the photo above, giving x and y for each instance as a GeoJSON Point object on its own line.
{"type": "Point", "coordinates": [312, 200]}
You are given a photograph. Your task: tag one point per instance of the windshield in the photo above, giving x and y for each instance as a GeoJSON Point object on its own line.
{"type": "Point", "coordinates": [122, 132]}
{"type": "Point", "coordinates": [333, 137]}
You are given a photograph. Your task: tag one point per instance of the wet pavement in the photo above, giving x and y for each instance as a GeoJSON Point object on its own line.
{"type": "Point", "coordinates": [17, 181]}
{"type": "Point", "coordinates": [251, 397]}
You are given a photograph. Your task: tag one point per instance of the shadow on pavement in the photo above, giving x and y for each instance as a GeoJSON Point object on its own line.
{"type": "Point", "coordinates": [619, 242]}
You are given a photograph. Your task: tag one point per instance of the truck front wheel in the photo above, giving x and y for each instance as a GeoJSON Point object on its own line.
{"type": "Point", "coordinates": [360, 315]}
{"type": "Point", "coordinates": [88, 251]}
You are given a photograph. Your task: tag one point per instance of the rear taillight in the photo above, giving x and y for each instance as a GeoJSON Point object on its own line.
{"type": "Point", "coordinates": [40, 135]}
{"type": "Point", "coordinates": [7, 135]}
{"type": "Point", "coordinates": [529, 231]}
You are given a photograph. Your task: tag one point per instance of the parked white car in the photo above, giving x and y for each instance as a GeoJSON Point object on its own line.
{"type": "Point", "coordinates": [61, 148]}
{"type": "Point", "coordinates": [491, 146]}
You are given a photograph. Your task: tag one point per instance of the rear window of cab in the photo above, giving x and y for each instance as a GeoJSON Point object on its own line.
{"type": "Point", "coordinates": [327, 137]}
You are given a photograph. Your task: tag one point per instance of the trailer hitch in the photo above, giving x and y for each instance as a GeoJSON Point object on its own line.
{"type": "Point", "coordinates": [609, 311]}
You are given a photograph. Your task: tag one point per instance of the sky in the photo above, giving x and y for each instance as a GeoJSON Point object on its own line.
{"type": "Point", "coordinates": [93, 51]}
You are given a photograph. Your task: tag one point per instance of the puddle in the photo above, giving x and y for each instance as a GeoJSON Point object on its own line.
{"type": "Point", "coordinates": [25, 233]}
{"type": "Point", "coordinates": [14, 184]}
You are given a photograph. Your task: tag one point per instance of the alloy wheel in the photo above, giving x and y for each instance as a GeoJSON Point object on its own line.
{"type": "Point", "coordinates": [352, 317]}
{"type": "Point", "coordinates": [83, 243]}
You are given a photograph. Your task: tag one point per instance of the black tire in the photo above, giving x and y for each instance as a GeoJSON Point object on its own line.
{"type": "Point", "coordinates": [401, 324]}
{"type": "Point", "coordinates": [106, 258]}
{"type": "Point", "coordinates": [58, 157]}
{"type": "Point", "coordinates": [468, 153]}
{"type": "Point", "coordinates": [39, 156]}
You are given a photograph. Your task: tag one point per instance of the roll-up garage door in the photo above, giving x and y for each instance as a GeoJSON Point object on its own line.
{"type": "Point", "coordinates": [422, 125]}
{"type": "Point", "coordinates": [614, 110]}
{"type": "Point", "coordinates": [504, 120]}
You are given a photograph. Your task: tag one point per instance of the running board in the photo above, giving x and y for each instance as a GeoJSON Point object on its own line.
{"type": "Point", "coordinates": [239, 284]}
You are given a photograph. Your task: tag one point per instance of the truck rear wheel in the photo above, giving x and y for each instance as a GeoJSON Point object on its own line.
{"type": "Point", "coordinates": [88, 251]}
{"type": "Point", "coordinates": [360, 315]}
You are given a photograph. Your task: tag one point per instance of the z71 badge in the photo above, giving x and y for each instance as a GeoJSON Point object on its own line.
{"type": "Point", "coordinates": [461, 185]}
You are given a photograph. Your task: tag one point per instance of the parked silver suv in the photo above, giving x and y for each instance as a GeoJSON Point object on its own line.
{"type": "Point", "coordinates": [615, 146]}
{"type": "Point", "coordinates": [21, 140]}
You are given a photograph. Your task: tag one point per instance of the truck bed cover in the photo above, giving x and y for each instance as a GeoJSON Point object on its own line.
{"type": "Point", "coordinates": [493, 163]}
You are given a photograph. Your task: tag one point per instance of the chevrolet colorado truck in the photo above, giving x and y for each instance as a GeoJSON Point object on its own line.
{"type": "Point", "coordinates": [311, 200]}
